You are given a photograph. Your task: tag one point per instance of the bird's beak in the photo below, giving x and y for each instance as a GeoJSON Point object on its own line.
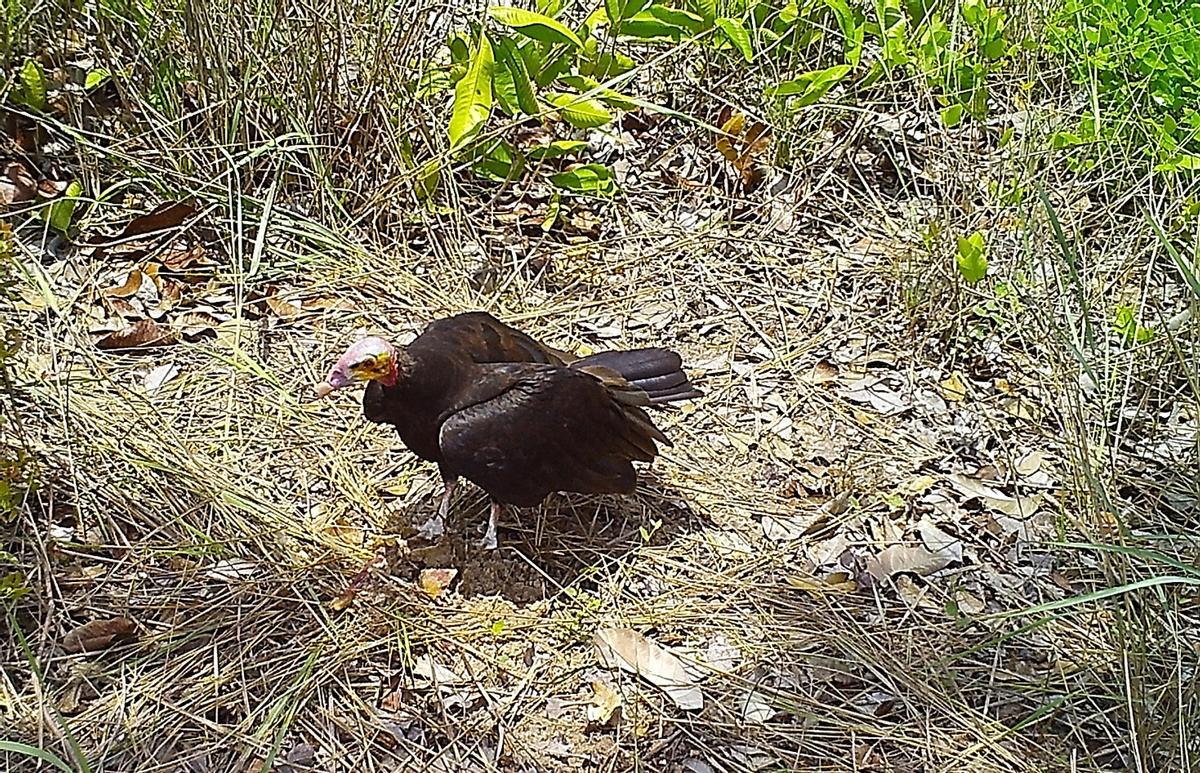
{"type": "Point", "coordinates": [337, 379]}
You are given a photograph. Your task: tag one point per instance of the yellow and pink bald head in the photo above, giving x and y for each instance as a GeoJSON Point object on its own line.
{"type": "Point", "coordinates": [371, 359]}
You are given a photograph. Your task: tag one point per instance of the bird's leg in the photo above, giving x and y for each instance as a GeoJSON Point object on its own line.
{"type": "Point", "coordinates": [489, 537]}
{"type": "Point", "coordinates": [435, 527]}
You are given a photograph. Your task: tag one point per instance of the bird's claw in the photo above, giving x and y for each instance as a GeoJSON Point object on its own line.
{"type": "Point", "coordinates": [489, 541]}
{"type": "Point", "coordinates": [433, 529]}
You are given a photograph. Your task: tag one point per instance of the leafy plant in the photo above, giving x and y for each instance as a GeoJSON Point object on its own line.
{"type": "Point", "coordinates": [971, 257]}
{"type": "Point", "coordinates": [1139, 64]}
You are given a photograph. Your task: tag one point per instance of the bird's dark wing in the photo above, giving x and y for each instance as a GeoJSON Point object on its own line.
{"type": "Point", "coordinates": [538, 429]}
{"type": "Point", "coordinates": [485, 339]}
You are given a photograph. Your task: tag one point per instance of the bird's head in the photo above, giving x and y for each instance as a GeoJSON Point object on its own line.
{"type": "Point", "coordinates": [371, 359]}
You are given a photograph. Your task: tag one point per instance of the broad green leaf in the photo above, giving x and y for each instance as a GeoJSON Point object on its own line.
{"type": "Point", "coordinates": [460, 48]}
{"type": "Point", "coordinates": [555, 67]}
{"type": "Point", "coordinates": [578, 111]}
{"type": "Point", "coordinates": [646, 27]}
{"type": "Point", "coordinates": [737, 35]}
{"type": "Point", "coordinates": [58, 213]}
{"type": "Point", "coordinates": [851, 27]}
{"type": "Point", "coordinates": [522, 85]}
{"type": "Point", "coordinates": [472, 96]}
{"type": "Point", "coordinates": [427, 179]}
{"type": "Point", "coordinates": [972, 257]}
{"type": "Point", "coordinates": [33, 85]}
{"type": "Point", "coordinates": [1183, 162]}
{"type": "Point", "coordinates": [594, 179]}
{"type": "Point", "coordinates": [614, 10]}
{"type": "Point", "coordinates": [535, 25]}
{"type": "Point", "coordinates": [677, 17]}
{"type": "Point", "coordinates": [610, 97]}
{"type": "Point", "coordinates": [504, 91]}
{"type": "Point", "coordinates": [602, 64]}
{"type": "Point", "coordinates": [810, 87]}
{"type": "Point", "coordinates": [952, 116]}
{"type": "Point", "coordinates": [94, 78]}
{"type": "Point", "coordinates": [500, 163]}
{"type": "Point", "coordinates": [556, 149]}
{"type": "Point", "coordinates": [707, 9]}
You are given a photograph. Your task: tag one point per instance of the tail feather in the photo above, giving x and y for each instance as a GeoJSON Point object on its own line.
{"type": "Point", "coordinates": [656, 371]}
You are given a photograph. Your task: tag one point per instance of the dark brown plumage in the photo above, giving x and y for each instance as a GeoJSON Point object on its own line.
{"type": "Point", "coordinates": [519, 419]}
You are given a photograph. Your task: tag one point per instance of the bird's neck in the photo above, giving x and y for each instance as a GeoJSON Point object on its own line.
{"type": "Point", "coordinates": [399, 369]}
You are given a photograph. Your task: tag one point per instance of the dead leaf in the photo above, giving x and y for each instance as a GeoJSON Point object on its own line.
{"type": "Point", "coordinates": [181, 260]}
{"type": "Point", "coordinates": [16, 185]}
{"type": "Point", "coordinates": [629, 650]}
{"type": "Point", "coordinates": [432, 671]}
{"type": "Point", "coordinates": [169, 214]}
{"type": "Point", "coordinates": [435, 582]}
{"type": "Point", "coordinates": [898, 559]}
{"type": "Point", "coordinates": [939, 541]}
{"type": "Point", "coordinates": [1015, 507]}
{"type": "Point", "coordinates": [816, 586]}
{"type": "Point", "coordinates": [756, 709]}
{"type": "Point", "coordinates": [824, 372]}
{"type": "Point", "coordinates": [1030, 463]}
{"type": "Point", "coordinates": [143, 334]}
{"type": "Point", "coordinates": [605, 702]}
{"type": "Point", "coordinates": [196, 324]}
{"type": "Point", "coordinates": [968, 602]}
{"type": "Point", "coordinates": [953, 389]}
{"type": "Point", "coordinates": [282, 309]}
{"type": "Point", "coordinates": [99, 635]}
{"type": "Point", "coordinates": [158, 376]}
{"type": "Point", "coordinates": [132, 283]}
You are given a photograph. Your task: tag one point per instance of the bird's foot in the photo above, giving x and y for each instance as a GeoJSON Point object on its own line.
{"type": "Point", "coordinates": [433, 529]}
{"type": "Point", "coordinates": [489, 541]}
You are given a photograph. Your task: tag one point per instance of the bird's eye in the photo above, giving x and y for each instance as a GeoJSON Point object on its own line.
{"type": "Point", "coordinates": [365, 362]}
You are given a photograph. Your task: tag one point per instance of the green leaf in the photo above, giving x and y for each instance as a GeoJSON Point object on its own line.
{"type": "Point", "coordinates": [535, 25]}
{"type": "Point", "coordinates": [50, 758]}
{"type": "Point", "coordinates": [95, 77]}
{"type": "Point", "coordinates": [556, 149]}
{"type": "Point", "coordinates": [851, 27]}
{"type": "Point", "coordinates": [580, 112]}
{"type": "Point", "coordinates": [677, 17]}
{"type": "Point", "coordinates": [972, 257]}
{"type": "Point", "coordinates": [810, 87]}
{"type": "Point", "coordinates": [737, 35]}
{"type": "Point", "coordinates": [427, 179]}
{"type": "Point", "coordinates": [1127, 326]}
{"type": "Point", "coordinates": [601, 64]}
{"type": "Point", "coordinates": [552, 211]}
{"type": "Point", "coordinates": [58, 213]}
{"type": "Point", "coordinates": [514, 63]}
{"type": "Point", "coordinates": [646, 27]}
{"type": "Point", "coordinates": [706, 8]}
{"type": "Point", "coordinates": [33, 85]}
{"type": "Point", "coordinates": [594, 179]}
{"type": "Point", "coordinates": [1182, 162]}
{"type": "Point", "coordinates": [472, 96]}
{"type": "Point", "coordinates": [500, 163]}
{"type": "Point", "coordinates": [952, 116]}
{"type": "Point", "coordinates": [610, 97]}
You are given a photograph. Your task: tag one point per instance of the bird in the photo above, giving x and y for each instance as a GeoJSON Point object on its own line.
{"type": "Point", "coordinates": [520, 419]}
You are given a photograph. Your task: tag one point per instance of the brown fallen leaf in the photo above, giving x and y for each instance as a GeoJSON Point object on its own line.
{"type": "Point", "coordinates": [16, 184]}
{"type": "Point", "coordinates": [169, 214]}
{"type": "Point", "coordinates": [838, 583]}
{"type": "Point", "coordinates": [181, 260]}
{"type": "Point", "coordinates": [435, 582]}
{"type": "Point", "coordinates": [98, 635]}
{"type": "Point", "coordinates": [953, 389]}
{"type": "Point", "coordinates": [196, 324]}
{"type": "Point", "coordinates": [605, 702]}
{"type": "Point", "coordinates": [132, 284]}
{"type": "Point", "coordinates": [143, 334]}
{"type": "Point", "coordinates": [824, 372]}
{"type": "Point", "coordinates": [281, 308]}
{"type": "Point", "coordinates": [898, 559]}
{"type": "Point", "coordinates": [629, 650]}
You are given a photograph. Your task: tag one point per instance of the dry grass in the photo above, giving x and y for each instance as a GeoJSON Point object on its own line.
{"type": "Point", "coordinates": [227, 511]}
